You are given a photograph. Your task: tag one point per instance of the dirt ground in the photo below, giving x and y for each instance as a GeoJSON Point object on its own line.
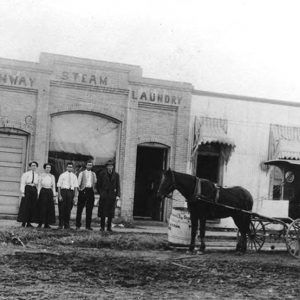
{"type": "Point", "coordinates": [73, 264]}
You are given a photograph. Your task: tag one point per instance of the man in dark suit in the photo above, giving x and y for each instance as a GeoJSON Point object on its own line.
{"type": "Point", "coordinates": [109, 189]}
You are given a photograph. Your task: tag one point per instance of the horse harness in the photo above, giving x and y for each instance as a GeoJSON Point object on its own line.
{"type": "Point", "coordinates": [198, 195]}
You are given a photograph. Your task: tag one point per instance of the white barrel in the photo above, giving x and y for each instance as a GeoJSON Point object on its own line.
{"type": "Point", "coordinates": [179, 229]}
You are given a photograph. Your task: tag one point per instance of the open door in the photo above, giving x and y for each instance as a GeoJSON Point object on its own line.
{"type": "Point", "coordinates": [151, 161]}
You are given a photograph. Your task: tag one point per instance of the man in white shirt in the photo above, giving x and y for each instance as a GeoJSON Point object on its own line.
{"type": "Point", "coordinates": [86, 182]}
{"type": "Point", "coordinates": [67, 194]}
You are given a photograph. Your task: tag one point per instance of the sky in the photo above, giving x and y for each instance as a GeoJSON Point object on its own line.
{"type": "Point", "coordinates": [242, 47]}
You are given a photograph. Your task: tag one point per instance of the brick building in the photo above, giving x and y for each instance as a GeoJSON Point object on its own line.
{"type": "Point", "coordinates": [66, 108]}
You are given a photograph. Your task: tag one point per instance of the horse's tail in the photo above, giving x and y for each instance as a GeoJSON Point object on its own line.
{"type": "Point", "coordinates": [249, 200]}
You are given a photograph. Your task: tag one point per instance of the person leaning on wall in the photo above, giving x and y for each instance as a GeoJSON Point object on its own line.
{"type": "Point", "coordinates": [29, 182]}
{"type": "Point", "coordinates": [46, 199]}
{"type": "Point", "coordinates": [86, 198]}
{"type": "Point", "coordinates": [109, 190]}
{"type": "Point", "coordinates": [67, 195]}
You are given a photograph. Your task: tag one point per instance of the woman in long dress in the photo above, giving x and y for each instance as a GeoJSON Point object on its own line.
{"type": "Point", "coordinates": [46, 200]}
{"type": "Point", "coordinates": [29, 182]}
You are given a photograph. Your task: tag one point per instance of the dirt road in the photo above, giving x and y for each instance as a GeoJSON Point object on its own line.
{"type": "Point", "coordinates": [83, 265]}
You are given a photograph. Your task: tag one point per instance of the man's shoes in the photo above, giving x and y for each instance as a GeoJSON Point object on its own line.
{"type": "Point", "coordinates": [29, 225]}
{"type": "Point", "coordinates": [47, 226]}
{"type": "Point", "coordinates": [109, 229]}
{"type": "Point", "coordinates": [67, 226]}
{"type": "Point", "coordinates": [89, 228]}
{"type": "Point", "coordinates": [23, 224]}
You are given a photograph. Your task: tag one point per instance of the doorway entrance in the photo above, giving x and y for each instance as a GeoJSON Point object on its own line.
{"type": "Point", "coordinates": [208, 167]}
{"type": "Point", "coordinates": [13, 154]}
{"type": "Point", "coordinates": [208, 164]}
{"type": "Point", "coordinates": [151, 160]}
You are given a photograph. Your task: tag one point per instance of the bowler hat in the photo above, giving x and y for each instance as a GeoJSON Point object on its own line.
{"type": "Point", "coordinates": [110, 163]}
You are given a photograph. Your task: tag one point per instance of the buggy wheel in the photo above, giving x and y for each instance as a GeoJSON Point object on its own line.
{"type": "Point", "coordinates": [292, 238]}
{"type": "Point", "coordinates": [256, 236]}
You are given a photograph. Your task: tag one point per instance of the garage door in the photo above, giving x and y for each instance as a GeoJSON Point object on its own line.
{"type": "Point", "coordinates": [12, 163]}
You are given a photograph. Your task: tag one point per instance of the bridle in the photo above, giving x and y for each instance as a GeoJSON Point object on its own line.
{"type": "Point", "coordinates": [172, 187]}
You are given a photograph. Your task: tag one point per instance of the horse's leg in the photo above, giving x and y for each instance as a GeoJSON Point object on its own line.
{"type": "Point", "coordinates": [242, 221]}
{"type": "Point", "coordinates": [202, 233]}
{"type": "Point", "coordinates": [237, 221]}
{"type": "Point", "coordinates": [194, 223]}
{"type": "Point", "coordinates": [246, 219]}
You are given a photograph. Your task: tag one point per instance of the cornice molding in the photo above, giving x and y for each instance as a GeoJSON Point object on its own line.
{"type": "Point", "coordinates": [59, 59]}
{"type": "Point", "coordinates": [161, 85]}
{"type": "Point", "coordinates": [245, 98]}
{"type": "Point", "coordinates": [12, 88]}
{"type": "Point", "coordinates": [157, 106]}
{"type": "Point", "coordinates": [92, 88]}
{"type": "Point", "coordinates": [25, 68]}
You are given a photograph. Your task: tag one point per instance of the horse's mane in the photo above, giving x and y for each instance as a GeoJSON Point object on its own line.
{"type": "Point", "coordinates": [181, 174]}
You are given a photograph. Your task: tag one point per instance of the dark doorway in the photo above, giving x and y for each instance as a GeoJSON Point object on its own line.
{"type": "Point", "coordinates": [208, 163]}
{"type": "Point", "coordinates": [208, 167]}
{"type": "Point", "coordinates": [149, 164]}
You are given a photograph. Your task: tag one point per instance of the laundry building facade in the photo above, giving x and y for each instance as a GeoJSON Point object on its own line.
{"type": "Point", "coordinates": [71, 109]}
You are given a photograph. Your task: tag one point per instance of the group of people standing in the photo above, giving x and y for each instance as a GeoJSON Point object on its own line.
{"type": "Point", "coordinates": [39, 196]}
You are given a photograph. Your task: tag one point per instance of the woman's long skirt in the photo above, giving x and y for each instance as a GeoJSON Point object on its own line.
{"type": "Point", "coordinates": [46, 207]}
{"type": "Point", "coordinates": [27, 210]}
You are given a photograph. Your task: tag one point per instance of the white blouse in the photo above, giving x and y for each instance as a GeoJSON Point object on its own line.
{"type": "Point", "coordinates": [47, 181]}
{"type": "Point", "coordinates": [27, 179]}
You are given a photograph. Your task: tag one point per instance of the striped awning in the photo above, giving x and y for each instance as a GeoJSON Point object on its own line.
{"type": "Point", "coordinates": [212, 130]}
{"type": "Point", "coordinates": [288, 149]}
{"type": "Point", "coordinates": [284, 142]}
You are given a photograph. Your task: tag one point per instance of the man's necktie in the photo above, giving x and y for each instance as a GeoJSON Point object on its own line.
{"type": "Point", "coordinates": [32, 177]}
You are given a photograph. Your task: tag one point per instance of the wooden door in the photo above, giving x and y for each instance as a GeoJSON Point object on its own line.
{"type": "Point", "coordinates": [12, 165]}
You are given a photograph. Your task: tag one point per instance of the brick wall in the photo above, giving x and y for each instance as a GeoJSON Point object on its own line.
{"type": "Point", "coordinates": [148, 110]}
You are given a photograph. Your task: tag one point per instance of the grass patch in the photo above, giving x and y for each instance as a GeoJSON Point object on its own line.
{"type": "Point", "coordinates": [82, 238]}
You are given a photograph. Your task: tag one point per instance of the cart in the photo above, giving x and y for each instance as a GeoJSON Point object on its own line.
{"type": "Point", "coordinates": [290, 232]}
{"type": "Point", "coordinates": [290, 224]}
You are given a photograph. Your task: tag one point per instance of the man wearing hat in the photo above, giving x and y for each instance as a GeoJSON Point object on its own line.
{"type": "Point", "coordinates": [109, 189]}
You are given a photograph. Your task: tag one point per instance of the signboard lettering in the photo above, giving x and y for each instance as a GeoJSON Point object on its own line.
{"type": "Point", "coordinates": [16, 80]}
{"type": "Point", "coordinates": [156, 97]}
{"type": "Point", "coordinates": [84, 78]}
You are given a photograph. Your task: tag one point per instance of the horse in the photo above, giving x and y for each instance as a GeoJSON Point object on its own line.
{"type": "Point", "coordinates": [205, 200]}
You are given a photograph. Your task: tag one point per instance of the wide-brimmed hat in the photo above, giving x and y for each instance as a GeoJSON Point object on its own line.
{"type": "Point", "coordinates": [110, 163]}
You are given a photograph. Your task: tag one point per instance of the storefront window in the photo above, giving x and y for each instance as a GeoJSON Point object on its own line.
{"type": "Point", "coordinates": [78, 137]}
{"type": "Point", "coordinates": [276, 184]}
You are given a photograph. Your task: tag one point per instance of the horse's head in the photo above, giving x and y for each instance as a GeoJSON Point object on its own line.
{"type": "Point", "coordinates": [167, 184]}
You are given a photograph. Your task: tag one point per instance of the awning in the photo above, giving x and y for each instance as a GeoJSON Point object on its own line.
{"type": "Point", "coordinates": [85, 134]}
{"type": "Point", "coordinates": [284, 142]}
{"type": "Point", "coordinates": [288, 149]}
{"type": "Point", "coordinates": [283, 163]}
{"type": "Point", "coordinates": [212, 130]}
